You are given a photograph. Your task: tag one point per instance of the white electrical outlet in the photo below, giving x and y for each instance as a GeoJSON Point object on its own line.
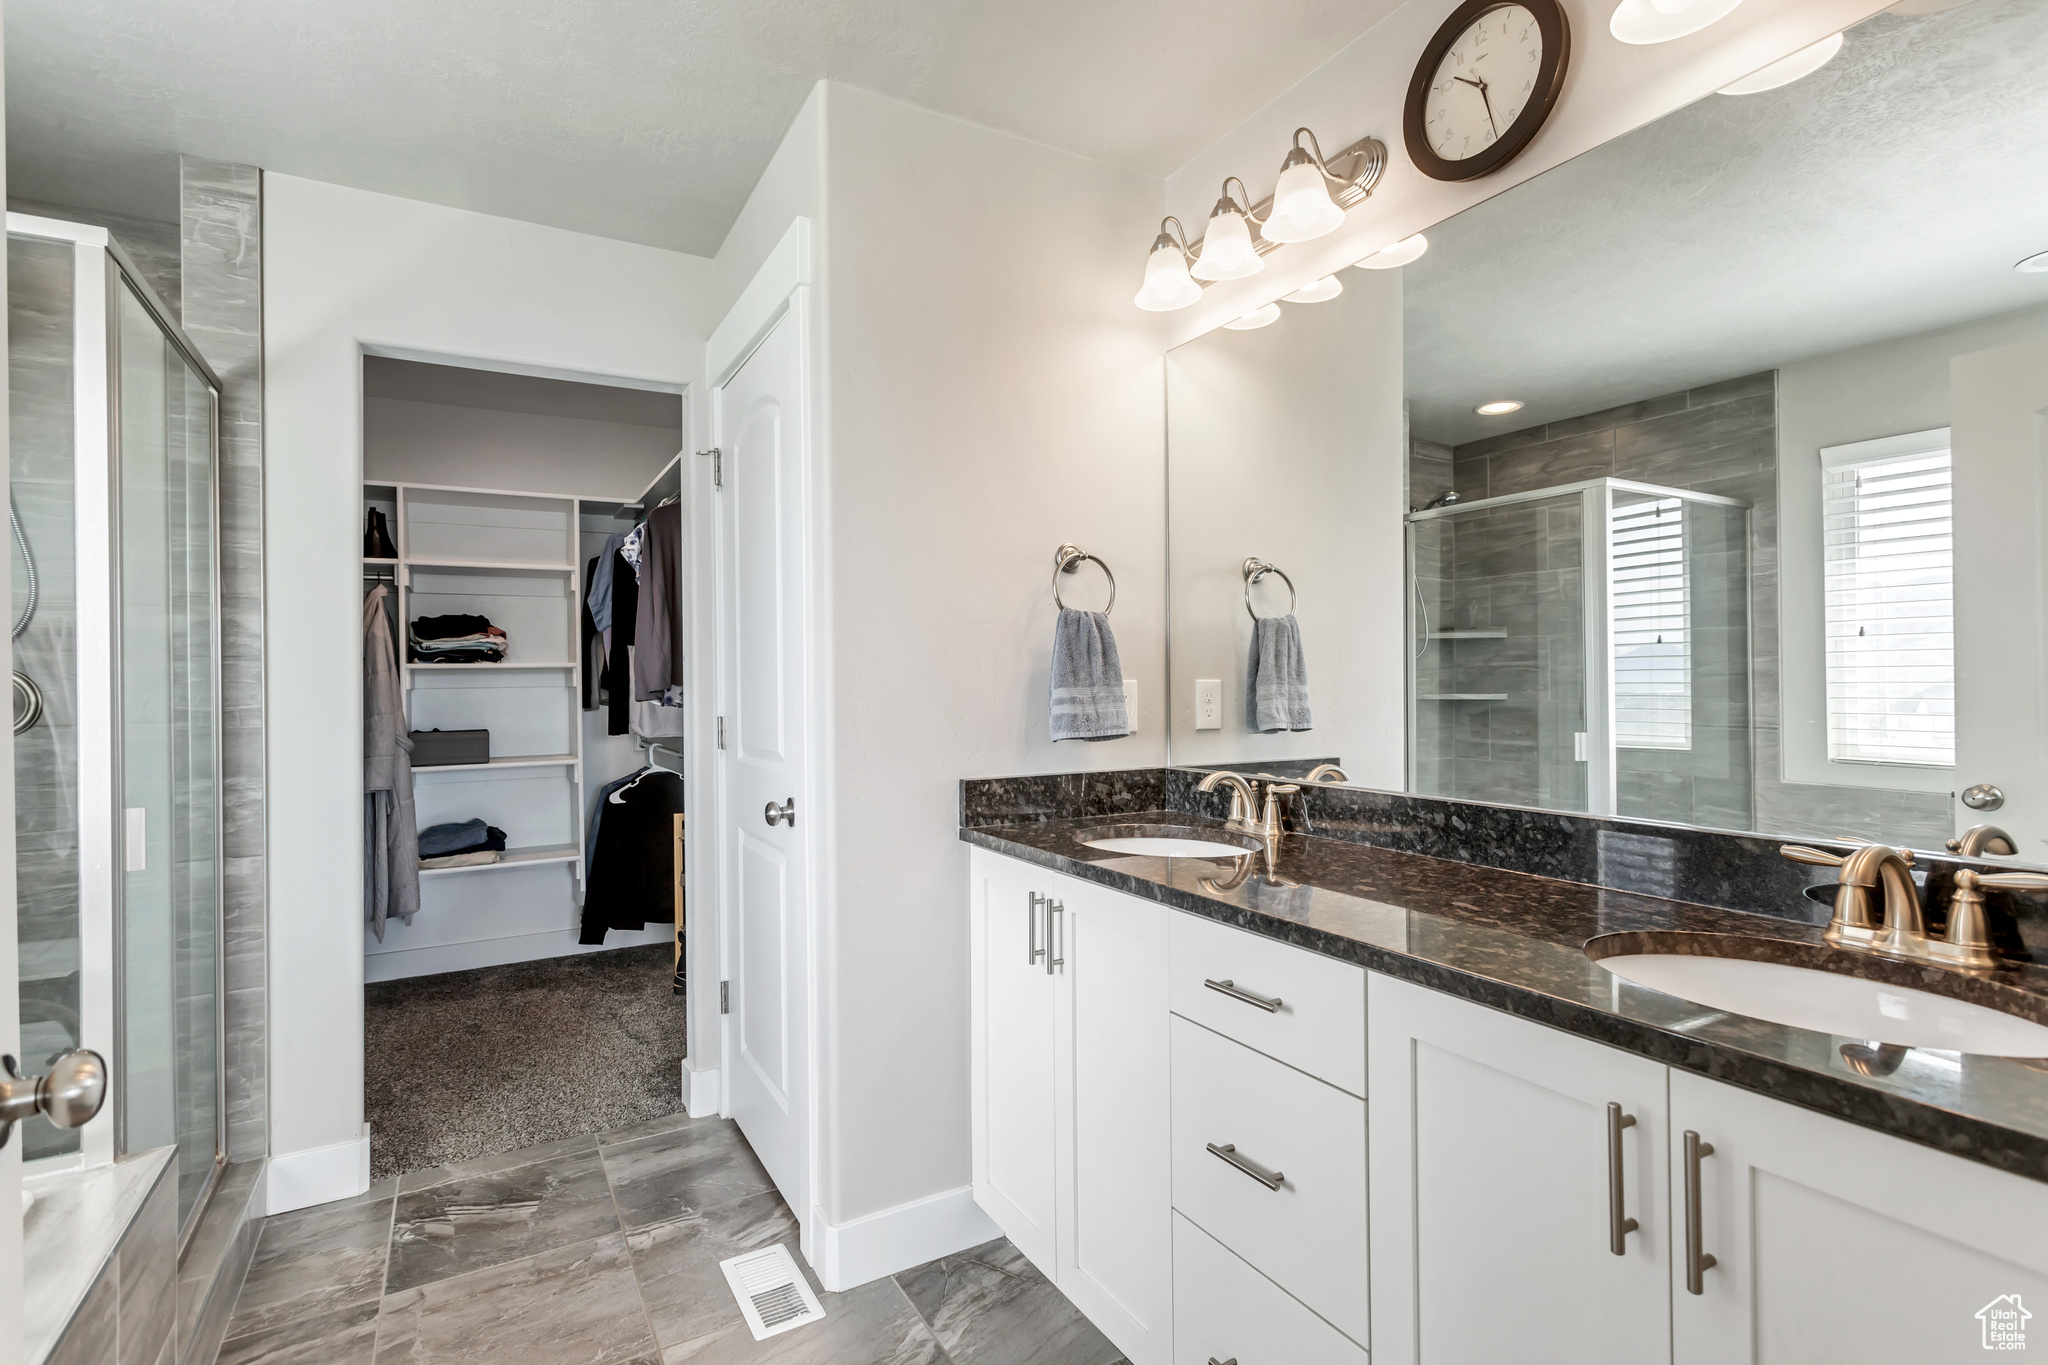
{"type": "Point", "coordinates": [1208, 703]}
{"type": "Point", "coordinates": [1579, 752]}
{"type": "Point", "coordinates": [135, 839]}
{"type": "Point", "coordinates": [1131, 703]}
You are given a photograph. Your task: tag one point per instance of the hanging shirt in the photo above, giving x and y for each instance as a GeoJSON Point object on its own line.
{"type": "Point", "coordinates": [632, 862]}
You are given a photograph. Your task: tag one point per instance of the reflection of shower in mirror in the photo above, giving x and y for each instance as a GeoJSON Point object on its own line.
{"type": "Point", "coordinates": [28, 698]}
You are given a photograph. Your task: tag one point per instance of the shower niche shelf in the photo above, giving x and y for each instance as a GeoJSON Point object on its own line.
{"type": "Point", "coordinates": [1473, 634]}
{"type": "Point", "coordinates": [1463, 696]}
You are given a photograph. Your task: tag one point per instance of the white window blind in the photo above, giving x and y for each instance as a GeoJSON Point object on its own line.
{"type": "Point", "coordinates": [1890, 582]}
{"type": "Point", "coordinates": [1649, 598]}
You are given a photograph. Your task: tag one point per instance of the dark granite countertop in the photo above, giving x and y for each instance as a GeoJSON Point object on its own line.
{"type": "Point", "coordinates": [1515, 942]}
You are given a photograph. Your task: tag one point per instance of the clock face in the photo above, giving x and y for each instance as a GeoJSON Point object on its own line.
{"type": "Point", "coordinates": [1489, 74]}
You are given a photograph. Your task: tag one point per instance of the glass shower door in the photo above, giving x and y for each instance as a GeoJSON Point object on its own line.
{"type": "Point", "coordinates": [169, 751]}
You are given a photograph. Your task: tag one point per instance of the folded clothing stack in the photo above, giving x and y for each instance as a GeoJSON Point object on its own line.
{"type": "Point", "coordinates": [464, 844]}
{"type": "Point", "coordinates": [457, 640]}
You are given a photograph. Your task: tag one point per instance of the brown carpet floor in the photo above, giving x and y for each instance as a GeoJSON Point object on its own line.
{"type": "Point", "coordinates": [470, 1064]}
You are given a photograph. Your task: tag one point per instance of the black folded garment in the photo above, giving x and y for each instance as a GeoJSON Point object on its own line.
{"type": "Point", "coordinates": [449, 627]}
{"type": "Point", "coordinates": [467, 836]}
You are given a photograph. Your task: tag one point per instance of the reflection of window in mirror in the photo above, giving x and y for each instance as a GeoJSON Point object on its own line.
{"type": "Point", "coordinates": [1652, 625]}
{"type": "Point", "coordinates": [1890, 601]}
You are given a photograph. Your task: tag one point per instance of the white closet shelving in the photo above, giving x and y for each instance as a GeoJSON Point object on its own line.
{"type": "Point", "coordinates": [517, 558]}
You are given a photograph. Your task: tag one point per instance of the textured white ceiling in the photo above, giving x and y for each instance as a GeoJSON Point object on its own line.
{"type": "Point", "coordinates": [645, 120]}
{"type": "Point", "coordinates": [1887, 194]}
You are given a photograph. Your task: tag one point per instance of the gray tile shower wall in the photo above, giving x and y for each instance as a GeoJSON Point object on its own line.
{"type": "Point", "coordinates": [222, 300]}
{"type": "Point", "coordinates": [1719, 438]}
{"type": "Point", "coordinates": [151, 245]}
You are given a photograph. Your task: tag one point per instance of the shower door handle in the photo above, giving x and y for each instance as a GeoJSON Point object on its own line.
{"type": "Point", "coordinates": [69, 1096]}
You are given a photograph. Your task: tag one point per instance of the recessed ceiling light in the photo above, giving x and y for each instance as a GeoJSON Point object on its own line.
{"type": "Point", "coordinates": [1328, 287]}
{"type": "Point", "coordinates": [1659, 21]}
{"type": "Point", "coordinates": [2034, 264]}
{"type": "Point", "coordinates": [1500, 409]}
{"type": "Point", "coordinates": [1400, 253]}
{"type": "Point", "coordinates": [1786, 70]}
{"type": "Point", "coordinates": [1258, 317]}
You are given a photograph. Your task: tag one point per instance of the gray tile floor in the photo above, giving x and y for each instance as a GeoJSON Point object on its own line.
{"type": "Point", "coordinates": [604, 1250]}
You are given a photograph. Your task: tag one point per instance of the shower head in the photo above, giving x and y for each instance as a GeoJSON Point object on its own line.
{"type": "Point", "coordinates": [1443, 499]}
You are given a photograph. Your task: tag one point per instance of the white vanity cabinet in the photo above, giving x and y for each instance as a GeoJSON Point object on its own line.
{"type": "Point", "coordinates": [1497, 1174]}
{"type": "Point", "coordinates": [1070, 1092]}
{"type": "Point", "coordinates": [1831, 1243]}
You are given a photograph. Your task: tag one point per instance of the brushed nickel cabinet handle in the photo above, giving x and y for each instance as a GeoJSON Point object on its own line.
{"type": "Point", "coordinates": [1235, 992]}
{"type": "Point", "coordinates": [1618, 1226]}
{"type": "Point", "coordinates": [1053, 907]}
{"type": "Point", "coordinates": [1697, 1261]}
{"type": "Point", "coordinates": [1031, 927]}
{"type": "Point", "coordinates": [1228, 1153]}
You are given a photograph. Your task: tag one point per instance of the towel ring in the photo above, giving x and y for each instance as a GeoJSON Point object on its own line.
{"type": "Point", "coordinates": [1068, 559]}
{"type": "Point", "coordinates": [1255, 569]}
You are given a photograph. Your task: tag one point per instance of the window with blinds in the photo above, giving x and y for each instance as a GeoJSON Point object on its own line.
{"type": "Point", "coordinates": [1650, 602]}
{"type": "Point", "coordinates": [1890, 581]}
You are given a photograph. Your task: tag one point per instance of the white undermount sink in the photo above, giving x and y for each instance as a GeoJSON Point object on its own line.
{"type": "Point", "coordinates": [1840, 993]}
{"type": "Point", "coordinates": [1169, 841]}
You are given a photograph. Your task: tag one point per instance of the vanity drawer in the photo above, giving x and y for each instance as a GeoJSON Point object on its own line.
{"type": "Point", "coordinates": [1225, 1310]}
{"type": "Point", "coordinates": [1320, 1023]}
{"type": "Point", "coordinates": [1309, 1234]}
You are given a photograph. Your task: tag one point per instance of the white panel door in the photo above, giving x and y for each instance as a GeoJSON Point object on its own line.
{"type": "Point", "coordinates": [1806, 1217]}
{"type": "Point", "coordinates": [1489, 1188]}
{"type": "Point", "coordinates": [1115, 1220]}
{"type": "Point", "coordinates": [1014, 1078]}
{"type": "Point", "coordinates": [759, 422]}
{"type": "Point", "coordinates": [1999, 441]}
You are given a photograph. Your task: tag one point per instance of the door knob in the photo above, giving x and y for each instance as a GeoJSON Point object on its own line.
{"type": "Point", "coordinates": [69, 1096]}
{"type": "Point", "coordinates": [1983, 796]}
{"type": "Point", "coordinates": [784, 813]}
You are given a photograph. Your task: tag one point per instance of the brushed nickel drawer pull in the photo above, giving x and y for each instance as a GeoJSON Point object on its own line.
{"type": "Point", "coordinates": [1231, 989]}
{"type": "Point", "coordinates": [1031, 928]}
{"type": "Point", "coordinates": [1697, 1261]}
{"type": "Point", "coordinates": [1228, 1152]}
{"type": "Point", "coordinates": [1618, 1227]}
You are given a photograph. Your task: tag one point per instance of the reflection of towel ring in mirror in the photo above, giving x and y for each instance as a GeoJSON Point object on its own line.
{"type": "Point", "coordinates": [1254, 570]}
{"type": "Point", "coordinates": [28, 702]}
{"type": "Point", "coordinates": [1068, 559]}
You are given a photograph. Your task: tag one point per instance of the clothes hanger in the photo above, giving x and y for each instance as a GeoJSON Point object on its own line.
{"type": "Point", "coordinates": [617, 798]}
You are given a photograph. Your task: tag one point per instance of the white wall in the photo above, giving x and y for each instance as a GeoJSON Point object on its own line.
{"type": "Point", "coordinates": [1285, 443]}
{"type": "Point", "coordinates": [348, 269]}
{"type": "Point", "coordinates": [1610, 88]}
{"type": "Point", "coordinates": [991, 394]}
{"type": "Point", "coordinates": [1887, 389]}
{"type": "Point", "coordinates": [533, 452]}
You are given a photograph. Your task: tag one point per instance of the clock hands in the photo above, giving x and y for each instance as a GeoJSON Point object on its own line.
{"type": "Point", "coordinates": [1480, 86]}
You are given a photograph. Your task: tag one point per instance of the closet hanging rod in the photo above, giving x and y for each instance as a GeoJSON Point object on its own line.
{"type": "Point", "coordinates": [1069, 559]}
{"type": "Point", "coordinates": [1255, 569]}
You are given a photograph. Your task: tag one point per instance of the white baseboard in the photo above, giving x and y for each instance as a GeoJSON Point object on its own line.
{"type": "Point", "coordinates": [896, 1239]}
{"type": "Point", "coordinates": [318, 1175]}
{"type": "Point", "coordinates": [395, 964]}
{"type": "Point", "coordinates": [702, 1094]}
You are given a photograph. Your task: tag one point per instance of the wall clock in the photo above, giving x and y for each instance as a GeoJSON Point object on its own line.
{"type": "Point", "coordinates": [1484, 86]}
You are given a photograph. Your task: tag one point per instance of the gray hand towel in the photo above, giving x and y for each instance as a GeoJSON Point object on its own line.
{"type": "Point", "coordinates": [1276, 690]}
{"type": "Point", "coordinates": [1087, 679]}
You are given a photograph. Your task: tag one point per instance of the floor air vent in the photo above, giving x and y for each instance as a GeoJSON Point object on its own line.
{"type": "Point", "coordinates": [772, 1292]}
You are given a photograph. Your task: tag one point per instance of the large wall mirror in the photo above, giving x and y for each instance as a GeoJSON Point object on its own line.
{"type": "Point", "coordinates": [1761, 547]}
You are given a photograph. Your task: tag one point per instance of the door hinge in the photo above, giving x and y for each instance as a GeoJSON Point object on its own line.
{"type": "Point", "coordinates": [721, 732]}
{"type": "Point", "coordinates": [717, 466]}
{"type": "Point", "coordinates": [725, 997]}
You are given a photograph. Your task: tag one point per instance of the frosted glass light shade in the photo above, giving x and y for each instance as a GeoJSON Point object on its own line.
{"type": "Point", "coordinates": [1328, 287]}
{"type": "Point", "coordinates": [1227, 252]}
{"type": "Point", "coordinates": [2033, 265]}
{"type": "Point", "coordinates": [1399, 254]}
{"type": "Point", "coordinates": [1786, 70]}
{"type": "Point", "coordinates": [1659, 21]}
{"type": "Point", "coordinates": [1258, 317]}
{"type": "Point", "coordinates": [1302, 207]}
{"type": "Point", "coordinates": [1167, 285]}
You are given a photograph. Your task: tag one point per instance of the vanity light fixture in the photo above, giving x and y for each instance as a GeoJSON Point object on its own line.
{"type": "Point", "coordinates": [1786, 70]}
{"type": "Point", "coordinates": [1642, 22]}
{"type": "Point", "coordinates": [1167, 283]}
{"type": "Point", "coordinates": [2034, 265]}
{"type": "Point", "coordinates": [1499, 409]}
{"type": "Point", "coordinates": [1328, 287]}
{"type": "Point", "coordinates": [1302, 207]}
{"type": "Point", "coordinates": [1227, 250]}
{"type": "Point", "coordinates": [1258, 317]}
{"type": "Point", "coordinates": [1399, 254]}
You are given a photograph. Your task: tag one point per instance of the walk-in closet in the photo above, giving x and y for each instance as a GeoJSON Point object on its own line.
{"type": "Point", "coordinates": [524, 822]}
